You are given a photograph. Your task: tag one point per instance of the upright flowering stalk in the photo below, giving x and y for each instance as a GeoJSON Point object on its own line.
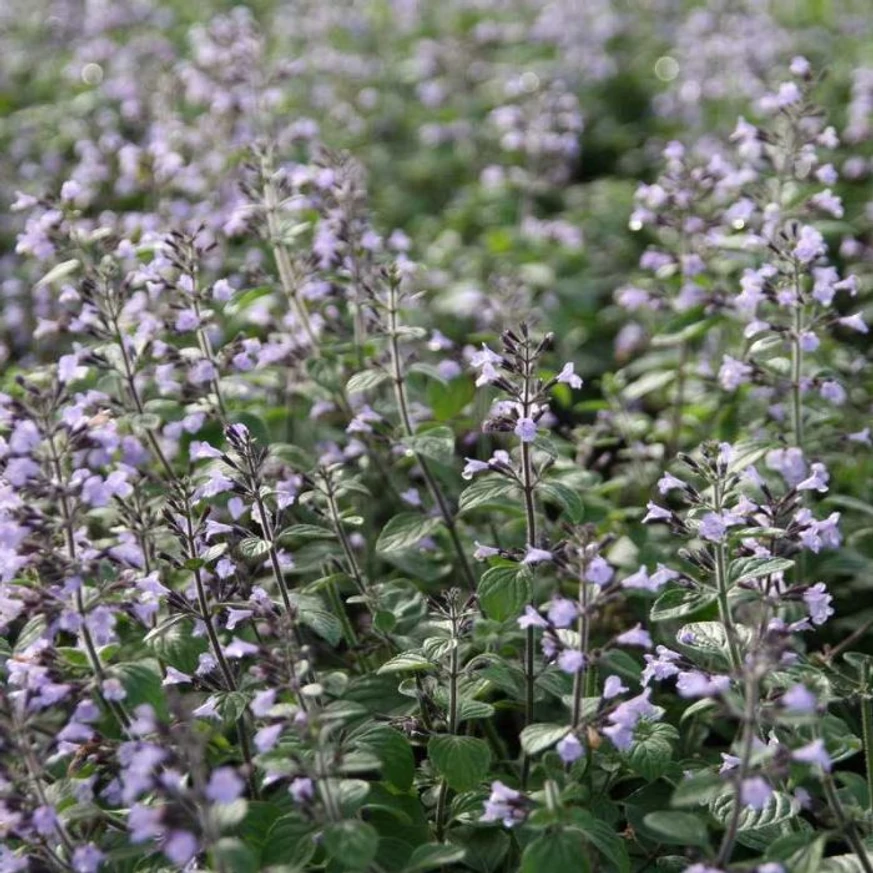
{"type": "Point", "coordinates": [515, 373]}
{"type": "Point", "coordinates": [745, 540]}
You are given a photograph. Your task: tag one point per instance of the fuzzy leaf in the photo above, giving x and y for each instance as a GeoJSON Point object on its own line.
{"type": "Point", "coordinates": [556, 852]}
{"type": "Point", "coordinates": [503, 592]}
{"type": "Point", "coordinates": [682, 828]}
{"type": "Point", "coordinates": [536, 738]}
{"type": "Point", "coordinates": [679, 602]}
{"type": "Point", "coordinates": [365, 381]}
{"type": "Point", "coordinates": [351, 843]}
{"type": "Point", "coordinates": [462, 761]}
{"type": "Point", "coordinates": [404, 531]}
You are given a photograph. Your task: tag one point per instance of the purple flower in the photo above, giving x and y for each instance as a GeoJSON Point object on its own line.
{"type": "Point", "coordinates": [733, 373]}
{"type": "Point", "coordinates": [612, 687]}
{"type": "Point", "coordinates": [267, 737]}
{"type": "Point", "coordinates": [625, 717]}
{"type": "Point", "coordinates": [693, 683]}
{"type": "Point", "coordinates": [755, 792]}
{"type": "Point", "coordinates": [712, 527]}
{"type": "Point", "coordinates": [833, 392]}
{"type": "Point", "coordinates": [570, 749]}
{"type": "Point", "coordinates": [526, 430]}
{"type": "Point", "coordinates": [225, 786]}
{"type": "Point", "coordinates": [484, 552]}
{"type": "Point", "coordinates": [263, 702]}
{"type": "Point", "coordinates": [144, 823]}
{"type": "Point", "coordinates": [656, 513]}
{"type": "Point", "coordinates": [568, 377]}
{"type": "Point", "coordinates": [599, 572]}
{"type": "Point", "coordinates": [180, 847]}
{"type": "Point", "coordinates": [504, 804]}
{"type": "Point", "coordinates": [668, 482]}
{"type": "Point", "coordinates": [536, 556]}
{"type": "Point", "coordinates": [855, 322]}
{"type": "Point", "coordinates": [660, 666]}
{"type": "Point", "coordinates": [562, 612]}
{"type": "Point", "coordinates": [636, 636]}
{"type": "Point", "coordinates": [818, 602]}
{"type": "Point", "coordinates": [810, 245]}
{"type": "Point", "coordinates": [813, 753]}
{"type": "Point", "coordinates": [531, 618]}
{"type": "Point", "coordinates": [301, 789]}
{"type": "Point", "coordinates": [799, 699]}
{"type": "Point", "coordinates": [571, 661]}
{"type": "Point", "coordinates": [472, 467]}
{"type": "Point", "coordinates": [238, 648]}
{"type": "Point", "coordinates": [87, 858]}
{"type": "Point", "coordinates": [817, 481]}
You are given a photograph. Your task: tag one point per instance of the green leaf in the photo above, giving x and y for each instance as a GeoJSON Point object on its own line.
{"type": "Point", "coordinates": [142, 682]}
{"type": "Point", "coordinates": [60, 271]}
{"type": "Point", "coordinates": [406, 662]}
{"type": "Point", "coordinates": [845, 864]}
{"type": "Point", "coordinates": [603, 837]}
{"type": "Point", "coordinates": [232, 854]}
{"type": "Point", "coordinates": [708, 639]}
{"type": "Point", "coordinates": [494, 492]}
{"type": "Point", "coordinates": [404, 531]}
{"type": "Point", "coordinates": [462, 761]}
{"type": "Point", "coordinates": [560, 851]}
{"type": "Point", "coordinates": [438, 444]}
{"type": "Point", "coordinates": [253, 549]}
{"type": "Point", "coordinates": [427, 369]}
{"type": "Point", "coordinates": [755, 827]}
{"type": "Point", "coordinates": [536, 738]}
{"type": "Point", "coordinates": [352, 843]}
{"type": "Point", "coordinates": [568, 499]}
{"type": "Point", "coordinates": [679, 602]}
{"type": "Point", "coordinates": [485, 847]}
{"type": "Point", "coordinates": [698, 789]}
{"type": "Point", "coordinates": [366, 381]}
{"type": "Point", "coordinates": [652, 750]}
{"type": "Point", "coordinates": [678, 828]}
{"type": "Point", "coordinates": [654, 380]}
{"type": "Point", "coordinates": [503, 591]}
{"type": "Point", "coordinates": [393, 751]}
{"type": "Point", "coordinates": [431, 856]}
{"type": "Point", "coordinates": [303, 533]}
{"type": "Point", "coordinates": [744, 569]}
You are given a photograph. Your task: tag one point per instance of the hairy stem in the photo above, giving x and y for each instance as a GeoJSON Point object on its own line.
{"type": "Point", "coordinates": [406, 421]}
{"type": "Point", "coordinates": [281, 257]}
{"type": "Point", "coordinates": [867, 734]}
{"type": "Point", "coordinates": [747, 744]}
{"type": "Point", "coordinates": [721, 581]}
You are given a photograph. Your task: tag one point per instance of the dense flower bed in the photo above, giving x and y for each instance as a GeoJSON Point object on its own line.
{"type": "Point", "coordinates": [436, 436]}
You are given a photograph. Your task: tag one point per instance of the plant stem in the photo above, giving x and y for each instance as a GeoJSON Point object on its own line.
{"type": "Point", "coordinates": [280, 255]}
{"type": "Point", "coordinates": [846, 824]}
{"type": "Point", "coordinates": [215, 643]}
{"type": "Point", "coordinates": [454, 670]}
{"type": "Point", "coordinates": [406, 421]}
{"type": "Point", "coordinates": [747, 742]}
{"type": "Point", "coordinates": [527, 485]}
{"type": "Point", "coordinates": [580, 679]}
{"type": "Point", "coordinates": [797, 364]}
{"type": "Point", "coordinates": [721, 581]}
{"type": "Point", "coordinates": [116, 708]}
{"type": "Point", "coordinates": [867, 734]}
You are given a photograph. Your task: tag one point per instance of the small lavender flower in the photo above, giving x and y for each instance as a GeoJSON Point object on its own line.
{"type": "Point", "coordinates": [755, 792]}
{"type": "Point", "coordinates": [814, 753]}
{"type": "Point", "coordinates": [570, 749]}
{"type": "Point", "coordinates": [505, 805]}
